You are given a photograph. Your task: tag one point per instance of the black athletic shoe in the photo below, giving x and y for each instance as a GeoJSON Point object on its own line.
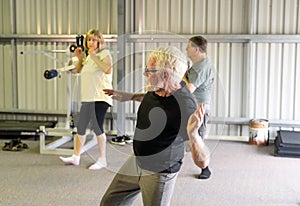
{"type": "Point", "coordinates": [205, 173]}
{"type": "Point", "coordinates": [118, 140]}
{"type": "Point", "coordinates": [14, 145]}
{"type": "Point", "coordinates": [127, 139]}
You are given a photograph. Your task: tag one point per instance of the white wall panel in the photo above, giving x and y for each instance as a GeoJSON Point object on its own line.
{"type": "Point", "coordinates": [225, 17]}
{"type": "Point", "coordinates": [2, 83]}
{"type": "Point", "coordinates": [5, 26]}
{"type": "Point", "coordinates": [298, 12]}
{"type": "Point", "coordinates": [212, 18]}
{"type": "Point", "coordinates": [150, 17]}
{"type": "Point", "coordinates": [275, 75]}
{"type": "Point", "coordinates": [277, 14]}
{"type": "Point", "coordinates": [223, 84]}
{"type": "Point", "coordinates": [175, 16]}
{"type": "Point", "coordinates": [7, 78]}
{"type": "Point", "coordinates": [195, 16]}
{"type": "Point", "coordinates": [261, 81]}
{"type": "Point", "coordinates": [263, 16]}
{"type": "Point", "coordinates": [291, 15]}
{"type": "Point", "coordinates": [236, 80]}
{"type": "Point", "coordinates": [187, 20]}
{"type": "Point", "coordinates": [297, 84]}
{"type": "Point", "coordinates": [239, 17]}
{"type": "Point", "coordinates": [65, 17]}
{"type": "Point", "coordinates": [288, 81]}
{"type": "Point", "coordinates": [199, 18]}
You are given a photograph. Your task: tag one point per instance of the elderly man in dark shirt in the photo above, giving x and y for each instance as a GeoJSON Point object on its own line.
{"type": "Point", "coordinates": [161, 130]}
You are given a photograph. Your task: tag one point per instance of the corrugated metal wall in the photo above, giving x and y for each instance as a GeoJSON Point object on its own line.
{"type": "Point", "coordinates": [34, 38]}
{"type": "Point", "coordinates": [254, 45]}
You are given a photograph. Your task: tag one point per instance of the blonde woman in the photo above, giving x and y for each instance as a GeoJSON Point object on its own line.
{"type": "Point", "coordinates": [96, 75]}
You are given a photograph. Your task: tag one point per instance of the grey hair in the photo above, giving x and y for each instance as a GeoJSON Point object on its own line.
{"type": "Point", "coordinates": [173, 58]}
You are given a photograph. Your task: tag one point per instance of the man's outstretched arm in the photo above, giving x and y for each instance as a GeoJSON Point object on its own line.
{"type": "Point", "coordinates": [124, 96]}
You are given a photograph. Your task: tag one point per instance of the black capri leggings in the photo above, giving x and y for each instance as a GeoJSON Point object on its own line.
{"type": "Point", "coordinates": [93, 112]}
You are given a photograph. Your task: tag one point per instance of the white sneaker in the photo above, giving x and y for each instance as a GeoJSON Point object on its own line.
{"type": "Point", "coordinates": [71, 160]}
{"type": "Point", "coordinates": [98, 165]}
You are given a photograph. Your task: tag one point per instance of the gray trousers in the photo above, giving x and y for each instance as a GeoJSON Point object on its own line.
{"type": "Point", "coordinates": [203, 129]}
{"type": "Point", "coordinates": [130, 181]}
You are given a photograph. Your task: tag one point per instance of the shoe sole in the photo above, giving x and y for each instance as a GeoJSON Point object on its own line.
{"type": "Point", "coordinates": [127, 139]}
{"type": "Point", "coordinates": [117, 143]}
{"type": "Point", "coordinates": [202, 177]}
